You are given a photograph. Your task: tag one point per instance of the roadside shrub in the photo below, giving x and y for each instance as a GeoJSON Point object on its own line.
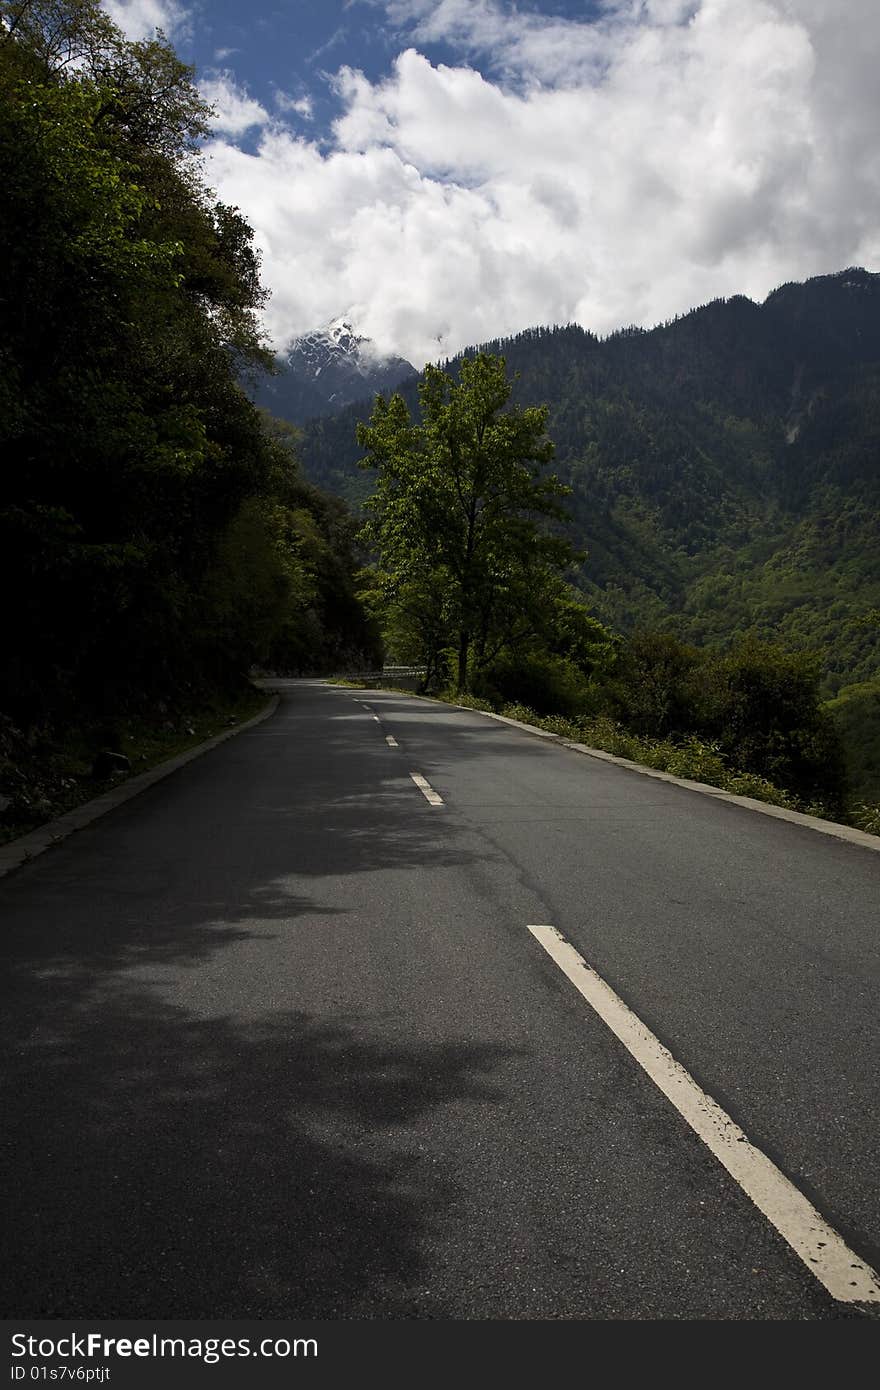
{"type": "Point", "coordinates": [756, 708]}
{"type": "Point", "coordinates": [698, 761]}
{"type": "Point", "coordinates": [765, 712]}
{"type": "Point", "coordinates": [866, 817]}
{"type": "Point", "coordinates": [656, 687]}
{"type": "Point", "coordinates": [694, 759]}
{"type": "Point", "coordinates": [545, 683]}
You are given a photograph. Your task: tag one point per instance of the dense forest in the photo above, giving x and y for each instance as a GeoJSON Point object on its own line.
{"type": "Point", "coordinates": [724, 476]}
{"type": "Point", "coordinates": [156, 537]}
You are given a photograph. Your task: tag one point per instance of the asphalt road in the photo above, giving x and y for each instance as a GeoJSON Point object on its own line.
{"type": "Point", "coordinates": [278, 1043]}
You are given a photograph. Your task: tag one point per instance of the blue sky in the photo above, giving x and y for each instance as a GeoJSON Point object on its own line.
{"type": "Point", "coordinates": [447, 171]}
{"type": "Point", "coordinates": [295, 48]}
{"type": "Point", "coordinates": [292, 49]}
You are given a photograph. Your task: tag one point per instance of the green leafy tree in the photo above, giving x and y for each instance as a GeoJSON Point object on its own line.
{"type": "Point", "coordinates": [415, 621]}
{"type": "Point", "coordinates": [655, 687]}
{"type": "Point", "coordinates": [151, 525]}
{"type": "Point", "coordinates": [856, 714]}
{"type": "Point", "coordinates": [767, 715]}
{"type": "Point", "coordinates": [458, 517]}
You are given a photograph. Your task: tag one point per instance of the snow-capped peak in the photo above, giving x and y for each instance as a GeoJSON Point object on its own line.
{"type": "Point", "coordinates": [335, 365]}
{"type": "Point", "coordinates": [342, 332]}
{"type": "Point", "coordinates": [338, 336]}
{"type": "Point", "coordinates": [337, 342]}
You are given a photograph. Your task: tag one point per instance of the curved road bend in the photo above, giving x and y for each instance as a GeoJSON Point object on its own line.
{"type": "Point", "coordinates": [279, 1042]}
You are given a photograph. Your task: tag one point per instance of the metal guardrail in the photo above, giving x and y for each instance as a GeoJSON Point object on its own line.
{"type": "Point", "coordinates": [387, 673]}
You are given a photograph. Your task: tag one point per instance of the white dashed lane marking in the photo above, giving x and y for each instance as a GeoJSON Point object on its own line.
{"type": "Point", "coordinates": [825, 1254]}
{"type": "Point", "coordinates": [426, 789]}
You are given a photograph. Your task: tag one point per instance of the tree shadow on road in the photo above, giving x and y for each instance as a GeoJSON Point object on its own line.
{"type": "Point", "coordinates": [168, 1166]}
{"type": "Point", "coordinates": [165, 1159]}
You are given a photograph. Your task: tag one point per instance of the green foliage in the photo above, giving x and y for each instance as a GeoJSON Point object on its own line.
{"type": "Point", "coordinates": [766, 712]}
{"type": "Point", "coordinates": [573, 632]}
{"type": "Point", "coordinates": [750, 720]}
{"type": "Point", "coordinates": [757, 704]}
{"type": "Point", "coordinates": [254, 581]}
{"type": "Point", "coordinates": [545, 682]}
{"type": "Point", "coordinates": [866, 817]}
{"type": "Point", "coordinates": [153, 530]}
{"type": "Point", "coordinates": [462, 559]}
{"type": "Point", "coordinates": [723, 470]}
{"type": "Point", "coordinates": [655, 686]}
{"type": "Point", "coordinates": [855, 711]}
{"type": "Point", "coordinates": [414, 617]}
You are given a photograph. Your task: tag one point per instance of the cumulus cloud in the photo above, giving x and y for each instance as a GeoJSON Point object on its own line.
{"type": "Point", "coordinates": [610, 171]}
{"type": "Point", "coordinates": [139, 19]}
{"type": "Point", "coordinates": [235, 111]}
{"type": "Point", "coordinates": [302, 106]}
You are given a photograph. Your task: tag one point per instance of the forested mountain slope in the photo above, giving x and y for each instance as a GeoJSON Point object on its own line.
{"type": "Point", "coordinates": [724, 466]}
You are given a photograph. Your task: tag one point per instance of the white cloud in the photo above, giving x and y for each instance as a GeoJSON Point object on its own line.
{"type": "Point", "coordinates": [609, 172]}
{"type": "Point", "coordinates": [139, 19]}
{"type": "Point", "coordinates": [298, 106]}
{"type": "Point", "coordinates": [533, 47]}
{"type": "Point", "coordinates": [236, 111]}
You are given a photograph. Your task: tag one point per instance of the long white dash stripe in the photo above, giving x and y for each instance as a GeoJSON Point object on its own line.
{"type": "Point", "coordinates": [391, 741]}
{"type": "Point", "coordinates": [426, 789]}
{"type": "Point", "coordinates": [823, 1251]}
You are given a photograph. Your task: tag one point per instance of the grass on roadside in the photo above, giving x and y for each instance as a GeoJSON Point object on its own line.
{"type": "Point", "coordinates": [689, 758]}
{"type": "Point", "coordinates": [47, 773]}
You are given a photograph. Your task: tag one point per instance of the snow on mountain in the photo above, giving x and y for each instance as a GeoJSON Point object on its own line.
{"type": "Point", "coordinates": [327, 369]}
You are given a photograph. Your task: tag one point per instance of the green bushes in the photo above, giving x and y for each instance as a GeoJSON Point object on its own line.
{"type": "Point", "coordinates": [865, 817]}
{"type": "Point", "coordinates": [689, 758]}
{"type": "Point", "coordinates": [654, 687]}
{"type": "Point", "coordinates": [749, 720]}
{"type": "Point", "coordinates": [856, 714]}
{"type": "Point", "coordinates": [757, 706]}
{"type": "Point", "coordinates": [547, 683]}
{"type": "Point", "coordinates": [765, 710]}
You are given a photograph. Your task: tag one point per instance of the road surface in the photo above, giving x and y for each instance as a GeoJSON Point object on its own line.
{"type": "Point", "coordinates": [280, 1044]}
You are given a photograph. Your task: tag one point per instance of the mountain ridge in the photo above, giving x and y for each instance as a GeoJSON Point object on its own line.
{"type": "Point", "coordinates": [328, 368]}
{"type": "Point", "coordinates": [723, 465]}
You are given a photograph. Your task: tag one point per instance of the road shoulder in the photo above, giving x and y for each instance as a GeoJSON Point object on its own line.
{"type": "Point", "coordinates": [748, 803]}
{"type": "Point", "coordinates": [21, 851]}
